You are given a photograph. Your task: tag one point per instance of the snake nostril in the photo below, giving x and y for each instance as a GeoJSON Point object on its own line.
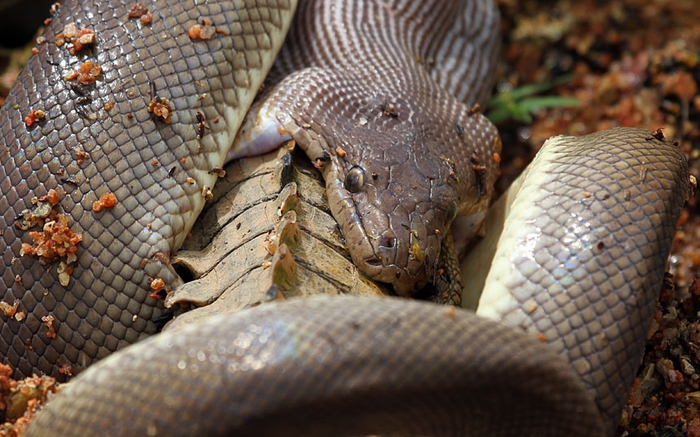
{"type": "Point", "coordinates": [386, 241]}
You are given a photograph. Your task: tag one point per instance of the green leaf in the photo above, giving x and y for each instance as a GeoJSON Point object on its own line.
{"type": "Point", "coordinates": [545, 102]}
{"type": "Point", "coordinates": [518, 104]}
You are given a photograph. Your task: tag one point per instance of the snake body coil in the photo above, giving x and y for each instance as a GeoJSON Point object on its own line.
{"type": "Point", "coordinates": [159, 171]}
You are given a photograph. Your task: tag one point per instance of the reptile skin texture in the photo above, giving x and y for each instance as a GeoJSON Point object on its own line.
{"type": "Point", "coordinates": [581, 259]}
{"type": "Point", "coordinates": [82, 150]}
{"type": "Point", "coordinates": [375, 95]}
{"type": "Point", "coordinates": [334, 365]}
{"type": "Point", "coordinates": [283, 370]}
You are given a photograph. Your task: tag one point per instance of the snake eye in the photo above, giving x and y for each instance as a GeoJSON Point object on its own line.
{"type": "Point", "coordinates": [355, 180]}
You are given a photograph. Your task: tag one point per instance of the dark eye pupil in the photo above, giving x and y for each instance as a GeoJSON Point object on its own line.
{"type": "Point", "coordinates": [355, 180]}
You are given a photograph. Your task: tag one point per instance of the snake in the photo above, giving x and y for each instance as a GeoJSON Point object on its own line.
{"type": "Point", "coordinates": [383, 97]}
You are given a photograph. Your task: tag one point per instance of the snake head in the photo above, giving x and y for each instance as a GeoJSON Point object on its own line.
{"type": "Point", "coordinates": [399, 167]}
{"type": "Point", "coordinates": [395, 182]}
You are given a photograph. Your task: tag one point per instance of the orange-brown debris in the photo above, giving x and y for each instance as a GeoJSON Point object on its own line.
{"type": "Point", "coordinates": [11, 310]}
{"type": "Point", "coordinates": [55, 241]}
{"type": "Point", "coordinates": [158, 287]}
{"type": "Point", "coordinates": [204, 30]}
{"type": "Point", "coordinates": [137, 10]}
{"type": "Point", "coordinates": [20, 400]}
{"type": "Point", "coordinates": [107, 200]}
{"type": "Point", "coordinates": [87, 74]}
{"type": "Point", "coordinates": [66, 369]}
{"type": "Point", "coordinates": [141, 12]}
{"type": "Point", "coordinates": [76, 38]}
{"type": "Point", "coordinates": [34, 116]}
{"type": "Point", "coordinates": [48, 321]}
{"type": "Point", "coordinates": [161, 108]}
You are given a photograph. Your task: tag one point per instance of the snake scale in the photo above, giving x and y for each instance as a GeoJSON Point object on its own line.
{"type": "Point", "coordinates": [363, 89]}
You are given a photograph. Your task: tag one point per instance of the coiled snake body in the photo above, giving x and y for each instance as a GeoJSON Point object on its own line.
{"type": "Point", "coordinates": [366, 99]}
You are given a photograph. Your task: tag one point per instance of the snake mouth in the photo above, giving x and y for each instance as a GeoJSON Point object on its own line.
{"type": "Point", "coordinates": [374, 262]}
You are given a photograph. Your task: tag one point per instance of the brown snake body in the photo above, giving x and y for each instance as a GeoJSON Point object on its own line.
{"type": "Point", "coordinates": [378, 73]}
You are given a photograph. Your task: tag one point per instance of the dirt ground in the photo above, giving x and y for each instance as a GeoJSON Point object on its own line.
{"type": "Point", "coordinates": [628, 63]}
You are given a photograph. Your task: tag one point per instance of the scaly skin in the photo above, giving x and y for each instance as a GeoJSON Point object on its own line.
{"type": "Point", "coordinates": [83, 151]}
{"type": "Point", "coordinates": [429, 165]}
